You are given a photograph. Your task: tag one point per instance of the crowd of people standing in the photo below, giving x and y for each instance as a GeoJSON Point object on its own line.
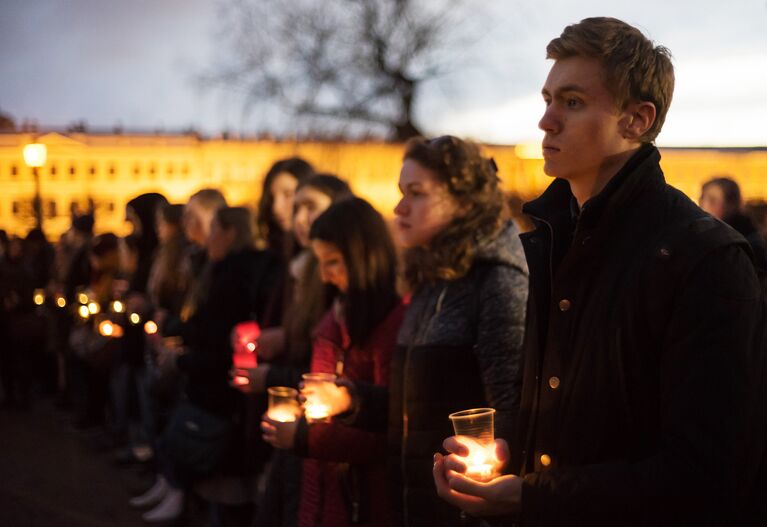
{"type": "Point", "coordinates": [587, 345]}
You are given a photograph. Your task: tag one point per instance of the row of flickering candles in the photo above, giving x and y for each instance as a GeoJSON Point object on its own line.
{"type": "Point", "coordinates": [474, 427]}
{"type": "Point", "coordinates": [88, 308]}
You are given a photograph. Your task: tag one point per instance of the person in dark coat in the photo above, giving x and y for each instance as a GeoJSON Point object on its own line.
{"type": "Point", "coordinates": [641, 317]}
{"type": "Point", "coordinates": [460, 344]}
{"type": "Point", "coordinates": [721, 198]}
{"type": "Point", "coordinates": [233, 266]}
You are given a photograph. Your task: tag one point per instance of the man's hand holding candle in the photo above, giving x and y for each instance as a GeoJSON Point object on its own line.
{"type": "Point", "coordinates": [456, 485]}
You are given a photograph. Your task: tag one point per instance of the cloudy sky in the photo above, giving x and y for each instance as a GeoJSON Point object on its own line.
{"type": "Point", "coordinates": [134, 63]}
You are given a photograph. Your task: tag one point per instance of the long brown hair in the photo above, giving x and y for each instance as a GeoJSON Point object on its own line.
{"type": "Point", "coordinates": [361, 235]}
{"type": "Point", "coordinates": [473, 182]}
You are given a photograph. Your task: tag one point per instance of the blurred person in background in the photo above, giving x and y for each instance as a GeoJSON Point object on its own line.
{"type": "Point", "coordinates": [205, 360]}
{"type": "Point", "coordinates": [721, 198]}
{"type": "Point", "coordinates": [757, 211]}
{"type": "Point", "coordinates": [285, 351]}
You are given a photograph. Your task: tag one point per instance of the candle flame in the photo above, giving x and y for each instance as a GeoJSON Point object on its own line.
{"type": "Point", "coordinates": [106, 328]}
{"type": "Point", "coordinates": [281, 415]}
{"type": "Point", "coordinates": [93, 308]}
{"type": "Point", "coordinates": [84, 312]}
{"type": "Point", "coordinates": [241, 380]}
{"type": "Point", "coordinates": [150, 327]}
{"type": "Point", "coordinates": [251, 346]}
{"type": "Point", "coordinates": [118, 307]}
{"type": "Point", "coordinates": [61, 301]}
{"type": "Point", "coordinates": [39, 297]}
{"type": "Point", "coordinates": [82, 298]}
{"type": "Point", "coordinates": [134, 318]}
{"type": "Point", "coordinates": [317, 410]}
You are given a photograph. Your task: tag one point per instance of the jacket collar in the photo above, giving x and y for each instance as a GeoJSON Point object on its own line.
{"type": "Point", "coordinates": [639, 173]}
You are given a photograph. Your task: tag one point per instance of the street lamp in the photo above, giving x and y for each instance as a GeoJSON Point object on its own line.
{"type": "Point", "coordinates": [35, 155]}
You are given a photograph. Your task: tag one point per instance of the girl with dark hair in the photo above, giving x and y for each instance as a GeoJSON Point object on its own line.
{"type": "Point", "coordinates": [275, 208]}
{"type": "Point", "coordinates": [343, 475]}
{"type": "Point", "coordinates": [288, 348]}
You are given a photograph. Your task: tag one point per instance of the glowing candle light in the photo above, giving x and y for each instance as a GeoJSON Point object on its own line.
{"type": "Point", "coordinates": [241, 380]}
{"type": "Point", "coordinates": [118, 307]}
{"type": "Point", "coordinates": [106, 328]}
{"type": "Point", "coordinates": [150, 327]}
{"type": "Point", "coordinates": [282, 414]}
{"type": "Point", "coordinates": [39, 297]}
{"type": "Point", "coordinates": [82, 298]}
{"type": "Point", "coordinates": [475, 429]}
{"type": "Point", "coordinates": [83, 312]}
{"type": "Point", "coordinates": [317, 406]}
{"type": "Point", "coordinates": [94, 308]}
{"type": "Point", "coordinates": [251, 346]}
{"type": "Point", "coordinates": [134, 318]}
{"type": "Point", "coordinates": [316, 411]}
{"type": "Point", "coordinates": [283, 404]}
{"type": "Point", "coordinates": [61, 301]}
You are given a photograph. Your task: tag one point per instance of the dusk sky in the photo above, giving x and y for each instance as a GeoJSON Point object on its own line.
{"type": "Point", "coordinates": [134, 63]}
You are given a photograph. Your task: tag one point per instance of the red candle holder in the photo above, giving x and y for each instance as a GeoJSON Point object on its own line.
{"type": "Point", "coordinates": [244, 344]}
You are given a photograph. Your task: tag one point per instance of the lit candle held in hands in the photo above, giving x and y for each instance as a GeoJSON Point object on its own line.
{"type": "Point", "coordinates": [475, 430]}
{"type": "Point", "coordinates": [283, 404]}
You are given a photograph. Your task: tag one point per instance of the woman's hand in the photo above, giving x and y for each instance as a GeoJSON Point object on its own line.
{"type": "Point", "coordinates": [279, 435]}
{"type": "Point", "coordinates": [336, 396]}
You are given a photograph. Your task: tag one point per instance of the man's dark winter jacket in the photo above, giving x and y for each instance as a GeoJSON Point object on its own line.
{"type": "Point", "coordinates": [642, 310]}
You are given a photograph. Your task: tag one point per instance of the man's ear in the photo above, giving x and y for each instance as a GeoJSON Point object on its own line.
{"type": "Point", "coordinates": [638, 118]}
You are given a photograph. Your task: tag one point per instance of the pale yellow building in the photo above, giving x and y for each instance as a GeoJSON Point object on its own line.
{"type": "Point", "coordinates": [109, 170]}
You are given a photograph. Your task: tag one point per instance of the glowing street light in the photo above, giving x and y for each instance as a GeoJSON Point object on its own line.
{"type": "Point", "coordinates": [35, 155]}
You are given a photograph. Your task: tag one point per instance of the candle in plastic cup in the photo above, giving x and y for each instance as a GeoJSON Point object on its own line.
{"type": "Point", "coordinates": [477, 430]}
{"type": "Point", "coordinates": [283, 404]}
{"type": "Point", "coordinates": [316, 408]}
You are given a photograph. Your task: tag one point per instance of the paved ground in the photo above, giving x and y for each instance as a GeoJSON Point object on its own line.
{"type": "Point", "coordinates": [52, 476]}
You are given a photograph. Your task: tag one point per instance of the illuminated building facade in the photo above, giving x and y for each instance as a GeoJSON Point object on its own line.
{"type": "Point", "coordinates": [105, 171]}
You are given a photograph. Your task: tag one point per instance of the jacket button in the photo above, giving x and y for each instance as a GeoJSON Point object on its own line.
{"type": "Point", "coordinates": [564, 305]}
{"type": "Point", "coordinates": [554, 382]}
{"type": "Point", "coordinates": [545, 460]}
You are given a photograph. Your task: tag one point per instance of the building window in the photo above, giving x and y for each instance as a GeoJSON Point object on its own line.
{"type": "Point", "coordinates": [14, 170]}
{"type": "Point", "coordinates": [15, 208]}
{"type": "Point", "coordinates": [136, 171]}
{"type": "Point", "coordinates": [72, 171]}
{"type": "Point", "coordinates": [92, 170]}
{"type": "Point", "coordinates": [112, 171]}
{"type": "Point", "coordinates": [54, 170]}
{"type": "Point", "coordinates": [52, 209]}
{"type": "Point", "coordinates": [169, 170]}
{"type": "Point", "coordinates": [185, 169]}
{"type": "Point", "coordinates": [152, 170]}
{"type": "Point", "coordinates": [110, 206]}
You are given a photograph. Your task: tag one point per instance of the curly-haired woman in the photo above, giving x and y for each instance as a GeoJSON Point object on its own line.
{"type": "Point", "coordinates": [460, 345]}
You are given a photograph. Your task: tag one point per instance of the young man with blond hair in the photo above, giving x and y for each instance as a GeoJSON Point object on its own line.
{"type": "Point", "coordinates": [642, 315]}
